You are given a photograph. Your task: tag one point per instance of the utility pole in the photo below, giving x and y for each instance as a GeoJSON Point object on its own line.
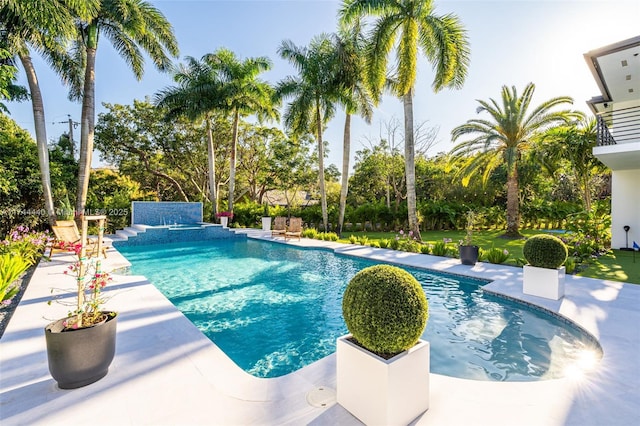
{"type": "Point", "coordinates": [72, 125]}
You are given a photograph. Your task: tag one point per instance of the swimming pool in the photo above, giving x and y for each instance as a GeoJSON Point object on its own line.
{"type": "Point", "coordinates": [274, 309]}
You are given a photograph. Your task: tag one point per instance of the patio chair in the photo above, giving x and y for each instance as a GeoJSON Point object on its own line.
{"type": "Point", "coordinates": [68, 235]}
{"type": "Point", "coordinates": [295, 228]}
{"type": "Point", "coordinates": [279, 226]}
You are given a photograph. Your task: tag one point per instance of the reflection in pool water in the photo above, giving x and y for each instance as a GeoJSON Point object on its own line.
{"type": "Point", "coordinates": [274, 309]}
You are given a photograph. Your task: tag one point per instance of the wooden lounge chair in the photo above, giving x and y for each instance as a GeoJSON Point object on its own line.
{"type": "Point", "coordinates": [279, 226]}
{"type": "Point", "coordinates": [67, 236]}
{"type": "Point", "coordinates": [295, 228]}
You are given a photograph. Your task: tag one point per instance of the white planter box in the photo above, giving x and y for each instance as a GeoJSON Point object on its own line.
{"type": "Point", "coordinates": [543, 282]}
{"type": "Point", "coordinates": [379, 391]}
{"type": "Point", "coordinates": [266, 223]}
{"type": "Point", "coordinates": [224, 220]}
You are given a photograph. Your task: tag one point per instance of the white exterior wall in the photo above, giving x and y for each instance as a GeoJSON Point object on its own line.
{"type": "Point", "coordinates": [625, 207]}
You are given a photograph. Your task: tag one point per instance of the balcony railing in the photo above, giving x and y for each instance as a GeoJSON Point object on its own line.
{"type": "Point", "coordinates": [619, 126]}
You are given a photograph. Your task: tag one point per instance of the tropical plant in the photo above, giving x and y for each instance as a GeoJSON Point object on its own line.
{"type": "Point", "coordinates": [26, 243]}
{"type": "Point", "coordinates": [242, 93]}
{"type": "Point", "coordinates": [8, 90]}
{"type": "Point", "coordinates": [496, 255]}
{"type": "Point", "coordinates": [313, 94]}
{"type": "Point", "coordinates": [385, 309]}
{"type": "Point", "coordinates": [197, 96]}
{"type": "Point", "coordinates": [132, 26]}
{"type": "Point", "coordinates": [503, 140]}
{"type": "Point", "coordinates": [11, 267]}
{"type": "Point", "coordinates": [442, 39]}
{"type": "Point", "coordinates": [353, 94]}
{"type": "Point", "coordinates": [575, 143]}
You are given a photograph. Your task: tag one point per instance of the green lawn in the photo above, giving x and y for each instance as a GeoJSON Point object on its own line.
{"type": "Point", "coordinates": [617, 265]}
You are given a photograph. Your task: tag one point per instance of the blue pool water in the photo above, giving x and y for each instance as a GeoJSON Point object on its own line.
{"type": "Point", "coordinates": [274, 309]}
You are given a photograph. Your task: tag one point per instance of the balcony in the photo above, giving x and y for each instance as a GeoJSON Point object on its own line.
{"type": "Point", "coordinates": [618, 144]}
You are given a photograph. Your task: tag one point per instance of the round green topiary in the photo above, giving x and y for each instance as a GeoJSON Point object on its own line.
{"type": "Point", "coordinates": [545, 251]}
{"type": "Point", "coordinates": [385, 309]}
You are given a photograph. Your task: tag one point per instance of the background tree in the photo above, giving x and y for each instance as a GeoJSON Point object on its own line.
{"type": "Point", "coordinates": [511, 131]}
{"type": "Point", "coordinates": [132, 27]}
{"type": "Point", "coordinates": [166, 158]}
{"type": "Point", "coordinates": [441, 38]}
{"type": "Point", "coordinates": [256, 155]}
{"type": "Point", "coordinates": [314, 96]}
{"type": "Point", "coordinates": [198, 96]}
{"type": "Point", "coordinates": [574, 143]}
{"type": "Point", "coordinates": [242, 93]}
{"type": "Point", "coordinates": [44, 26]}
{"type": "Point", "coordinates": [354, 95]}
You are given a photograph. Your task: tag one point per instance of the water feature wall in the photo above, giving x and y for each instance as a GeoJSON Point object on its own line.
{"type": "Point", "coordinates": [155, 213]}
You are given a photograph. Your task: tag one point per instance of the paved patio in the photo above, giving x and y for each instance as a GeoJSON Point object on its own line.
{"type": "Point", "coordinates": [166, 372]}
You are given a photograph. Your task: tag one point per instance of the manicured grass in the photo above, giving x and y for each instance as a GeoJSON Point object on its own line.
{"type": "Point", "coordinates": [616, 266]}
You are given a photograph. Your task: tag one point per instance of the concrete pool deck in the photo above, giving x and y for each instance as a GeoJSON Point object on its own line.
{"type": "Point", "coordinates": [166, 372]}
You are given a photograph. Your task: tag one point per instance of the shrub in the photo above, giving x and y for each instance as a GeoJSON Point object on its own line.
{"type": "Point", "coordinates": [570, 265]}
{"type": "Point", "coordinates": [425, 249]}
{"type": "Point", "coordinates": [310, 233]}
{"type": "Point", "coordinates": [11, 267]}
{"type": "Point", "coordinates": [439, 249]}
{"type": "Point", "coordinates": [496, 255]}
{"type": "Point", "coordinates": [375, 244]}
{"type": "Point", "coordinates": [353, 239]}
{"type": "Point", "coordinates": [328, 236]}
{"type": "Point", "coordinates": [363, 240]}
{"type": "Point", "coordinates": [385, 309]}
{"type": "Point", "coordinates": [384, 243]}
{"type": "Point", "coordinates": [545, 251]}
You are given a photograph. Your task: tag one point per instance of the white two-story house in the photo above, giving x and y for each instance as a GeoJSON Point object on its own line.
{"type": "Point", "coordinates": [616, 70]}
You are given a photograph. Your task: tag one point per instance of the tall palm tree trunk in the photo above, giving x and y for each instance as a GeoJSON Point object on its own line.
{"type": "Point", "coordinates": [410, 164]}
{"type": "Point", "coordinates": [211, 156]}
{"type": "Point", "coordinates": [41, 135]}
{"type": "Point", "coordinates": [346, 152]}
{"type": "Point", "coordinates": [513, 219]}
{"type": "Point", "coordinates": [232, 159]}
{"type": "Point", "coordinates": [323, 191]}
{"type": "Point", "coordinates": [86, 131]}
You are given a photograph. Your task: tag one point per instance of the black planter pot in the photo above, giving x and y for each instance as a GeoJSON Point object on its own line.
{"type": "Point", "coordinates": [80, 357]}
{"type": "Point", "coordinates": [469, 254]}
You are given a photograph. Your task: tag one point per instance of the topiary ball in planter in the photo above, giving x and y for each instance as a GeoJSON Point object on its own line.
{"type": "Point", "coordinates": [545, 251]}
{"type": "Point", "coordinates": [385, 309]}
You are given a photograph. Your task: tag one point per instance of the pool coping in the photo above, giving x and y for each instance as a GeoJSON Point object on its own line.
{"type": "Point", "coordinates": [167, 372]}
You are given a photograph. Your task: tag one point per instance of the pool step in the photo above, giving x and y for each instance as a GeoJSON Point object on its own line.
{"type": "Point", "coordinates": [129, 232]}
{"type": "Point", "coordinates": [144, 234]}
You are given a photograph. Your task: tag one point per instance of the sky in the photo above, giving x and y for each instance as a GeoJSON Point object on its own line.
{"type": "Point", "coordinates": [513, 42]}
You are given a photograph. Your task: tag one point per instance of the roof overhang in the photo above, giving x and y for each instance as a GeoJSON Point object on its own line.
{"type": "Point", "coordinates": [616, 70]}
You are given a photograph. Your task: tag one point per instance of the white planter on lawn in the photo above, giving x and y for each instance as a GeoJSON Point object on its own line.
{"type": "Point", "coordinates": [379, 391]}
{"type": "Point", "coordinates": [266, 223]}
{"type": "Point", "coordinates": [543, 282]}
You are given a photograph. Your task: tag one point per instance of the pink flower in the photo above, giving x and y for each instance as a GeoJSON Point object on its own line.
{"type": "Point", "coordinates": [401, 232]}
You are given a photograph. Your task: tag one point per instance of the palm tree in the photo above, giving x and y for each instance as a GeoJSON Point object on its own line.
{"type": "Point", "coordinates": [130, 26]}
{"type": "Point", "coordinates": [503, 139]}
{"type": "Point", "coordinates": [354, 95]}
{"type": "Point", "coordinates": [197, 97]}
{"type": "Point", "coordinates": [43, 26]}
{"type": "Point", "coordinates": [313, 92]}
{"type": "Point", "coordinates": [441, 38]}
{"type": "Point", "coordinates": [243, 94]}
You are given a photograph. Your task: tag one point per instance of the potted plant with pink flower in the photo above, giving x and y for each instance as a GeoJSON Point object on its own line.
{"type": "Point", "coordinates": [224, 217]}
{"type": "Point", "coordinates": [81, 346]}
